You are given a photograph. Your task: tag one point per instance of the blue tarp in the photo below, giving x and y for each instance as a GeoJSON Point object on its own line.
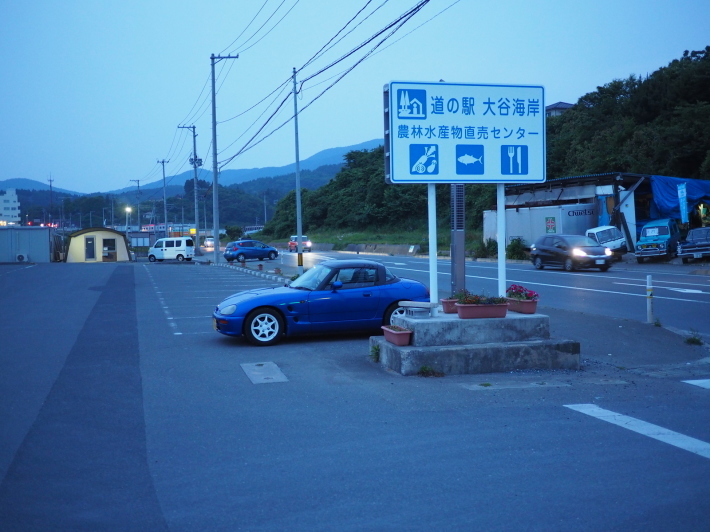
{"type": "Point", "coordinates": [665, 195]}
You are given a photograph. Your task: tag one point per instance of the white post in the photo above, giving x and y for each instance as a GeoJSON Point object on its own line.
{"type": "Point", "coordinates": [649, 299]}
{"type": "Point", "coordinates": [500, 218]}
{"type": "Point", "coordinates": [433, 279]}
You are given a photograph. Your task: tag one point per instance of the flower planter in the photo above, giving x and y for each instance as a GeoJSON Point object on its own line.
{"type": "Point", "coordinates": [261, 267]}
{"type": "Point", "coordinates": [468, 312]}
{"type": "Point", "coordinates": [397, 337]}
{"type": "Point", "coordinates": [523, 306]}
{"type": "Point", "coordinates": [449, 306]}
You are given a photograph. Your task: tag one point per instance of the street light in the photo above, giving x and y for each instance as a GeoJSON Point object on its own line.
{"type": "Point", "coordinates": [128, 212]}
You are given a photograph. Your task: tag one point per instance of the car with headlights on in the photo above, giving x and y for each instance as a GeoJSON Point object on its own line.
{"type": "Point", "coordinates": [242, 250]}
{"type": "Point", "coordinates": [333, 296]}
{"type": "Point", "coordinates": [306, 244]}
{"type": "Point", "coordinates": [570, 252]}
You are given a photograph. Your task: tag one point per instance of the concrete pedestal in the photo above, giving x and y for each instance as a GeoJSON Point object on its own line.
{"type": "Point", "coordinates": [454, 346]}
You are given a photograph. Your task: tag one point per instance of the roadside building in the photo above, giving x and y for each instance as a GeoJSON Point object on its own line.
{"type": "Point", "coordinates": [556, 109]}
{"type": "Point", "coordinates": [97, 244]}
{"type": "Point", "coordinates": [9, 208]}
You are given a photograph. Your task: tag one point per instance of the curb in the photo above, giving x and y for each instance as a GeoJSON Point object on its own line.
{"type": "Point", "coordinates": [265, 275]}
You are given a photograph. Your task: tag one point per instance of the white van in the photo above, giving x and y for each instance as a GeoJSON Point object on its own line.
{"type": "Point", "coordinates": [178, 248]}
{"type": "Point", "coordinates": [609, 236]}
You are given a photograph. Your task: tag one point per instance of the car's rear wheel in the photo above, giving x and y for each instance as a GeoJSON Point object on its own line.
{"type": "Point", "coordinates": [241, 257]}
{"type": "Point", "coordinates": [180, 258]}
{"type": "Point", "coordinates": [393, 310]}
{"type": "Point", "coordinates": [569, 265]}
{"type": "Point", "coordinates": [272, 255]}
{"type": "Point", "coordinates": [151, 258]}
{"type": "Point", "coordinates": [538, 263]}
{"type": "Point", "coordinates": [263, 327]}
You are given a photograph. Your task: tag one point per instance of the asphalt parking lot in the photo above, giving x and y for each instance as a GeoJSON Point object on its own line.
{"type": "Point", "coordinates": [122, 409]}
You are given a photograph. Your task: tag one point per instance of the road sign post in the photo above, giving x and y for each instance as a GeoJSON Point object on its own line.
{"type": "Point", "coordinates": [465, 133]}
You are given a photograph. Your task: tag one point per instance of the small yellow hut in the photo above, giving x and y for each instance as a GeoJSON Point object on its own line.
{"type": "Point", "coordinates": [97, 244]}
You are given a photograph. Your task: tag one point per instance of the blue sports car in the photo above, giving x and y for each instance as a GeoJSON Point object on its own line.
{"type": "Point", "coordinates": [333, 296]}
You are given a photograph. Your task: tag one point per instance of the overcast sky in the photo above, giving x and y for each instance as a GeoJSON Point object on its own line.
{"type": "Point", "coordinates": [92, 91]}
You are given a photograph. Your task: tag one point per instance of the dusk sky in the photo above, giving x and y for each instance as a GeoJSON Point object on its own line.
{"type": "Point", "coordinates": [92, 91]}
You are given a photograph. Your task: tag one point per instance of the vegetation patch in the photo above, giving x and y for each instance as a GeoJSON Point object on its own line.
{"type": "Point", "coordinates": [426, 371]}
{"type": "Point", "coordinates": [375, 353]}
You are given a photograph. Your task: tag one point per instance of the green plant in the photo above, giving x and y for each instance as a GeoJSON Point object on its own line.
{"type": "Point", "coordinates": [426, 371]}
{"type": "Point", "coordinates": [516, 250]}
{"type": "Point", "coordinates": [657, 323]}
{"type": "Point", "coordinates": [694, 339]}
{"type": "Point", "coordinates": [375, 353]}
{"type": "Point", "coordinates": [397, 328]}
{"type": "Point", "coordinates": [464, 297]}
{"type": "Point", "coordinates": [485, 384]}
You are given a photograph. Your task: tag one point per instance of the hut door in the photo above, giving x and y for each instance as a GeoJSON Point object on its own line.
{"type": "Point", "coordinates": [90, 248]}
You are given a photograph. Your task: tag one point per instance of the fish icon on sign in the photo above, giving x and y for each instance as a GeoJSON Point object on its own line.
{"type": "Point", "coordinates": [469, 159]}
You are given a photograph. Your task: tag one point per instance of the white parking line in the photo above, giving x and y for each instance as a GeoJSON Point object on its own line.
{"type": "Point", "coordinates": [670, 437]}
{"type": "Point", "coordinates": [703, 383]}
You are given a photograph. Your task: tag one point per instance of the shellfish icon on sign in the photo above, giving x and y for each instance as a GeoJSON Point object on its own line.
{"type": "Point", "coordinates": [423, 159]}
{"type": "Point", "coordinates": [469, 159]}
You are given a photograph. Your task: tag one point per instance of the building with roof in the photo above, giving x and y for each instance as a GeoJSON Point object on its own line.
{"type": "Point", "coordinates": [97, 244]}
{"type": "Point", "coordinates": [9, 208]}
{"type": "Point", "coordinates": [556, 109]}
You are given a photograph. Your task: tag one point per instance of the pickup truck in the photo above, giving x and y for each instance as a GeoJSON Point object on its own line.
{"type": "Point", "coordinates": [696, 244]}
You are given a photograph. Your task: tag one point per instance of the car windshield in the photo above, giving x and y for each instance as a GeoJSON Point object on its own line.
{"type": "Point", "coordinates": [581, 241]}
{"type": "Point", "coordinates": [655, 231]}
{"type": "Point", "coordinates": [311, 278]}
{"type": "Point", "coordinates": [608, 235]}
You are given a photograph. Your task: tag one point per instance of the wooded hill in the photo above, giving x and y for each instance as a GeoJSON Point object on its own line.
{"type": "Point", "coordinates": [657, 125]}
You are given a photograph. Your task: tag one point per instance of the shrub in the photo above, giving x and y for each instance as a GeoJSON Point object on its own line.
{"type": "Point", "coordinates": [516, 250]}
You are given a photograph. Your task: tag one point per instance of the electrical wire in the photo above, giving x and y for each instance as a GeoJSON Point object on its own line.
{"type": "Point", "coordinates": [397, 24]}
{"type": "Point", "coordinates": [245, 28]}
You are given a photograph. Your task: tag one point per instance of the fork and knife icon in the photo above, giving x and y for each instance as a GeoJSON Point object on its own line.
{"type": "Point", "coordinates": [512, 152]}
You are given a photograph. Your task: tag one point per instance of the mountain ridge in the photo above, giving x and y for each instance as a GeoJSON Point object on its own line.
{"type": "Point", "coordinates": [227, 177]}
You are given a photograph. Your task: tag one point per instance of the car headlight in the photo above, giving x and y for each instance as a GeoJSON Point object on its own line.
{"type": "Point", "coordinates": [607, 252]}
{"type": "Point", "coordinates": [661, 246]}
{"type": "Point", "coordinates": [228, 310]}
{"type": "Point", "coordinates": [579, 252]}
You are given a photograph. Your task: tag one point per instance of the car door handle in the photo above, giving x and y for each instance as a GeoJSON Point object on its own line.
{"type": "Point", "coordinates": [367, 294]}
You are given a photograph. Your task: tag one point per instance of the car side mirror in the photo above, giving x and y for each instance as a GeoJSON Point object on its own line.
{"type": "Point", "coordinates": [337, 285]}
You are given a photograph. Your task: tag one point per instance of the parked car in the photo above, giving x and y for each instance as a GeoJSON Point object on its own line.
{"type": "Point", "coordinates": [179, 249]}
{"type": "Point", "coordinates": [659, 238]}
{"type": "Point", "coordinates": [242, 250]}
{"type": "Point", "coordinates": [209, 242]}
{"type": "Point", "coordinates": [333, 296]}
{"type": "Point", "coordinates": [611, 237]}
{"type": "Point", "coordinates": [696, 244]}
{"type": "Point", "coordinates": [306, 244]}
{"type": "Point", "coordinates": [571, 252]}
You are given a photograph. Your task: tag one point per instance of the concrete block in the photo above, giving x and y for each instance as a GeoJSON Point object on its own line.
{"type": "Point", "coordinates": [449, 329]}
{"type": "Point", "coordinates": [481, 358]}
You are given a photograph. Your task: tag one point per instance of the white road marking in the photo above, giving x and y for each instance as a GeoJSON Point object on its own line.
{"type": "Point", "coordinates": [526, 283]}
{"type": "Point", "coordinates": [670, 437]}
{"type": "Point", "coordinates": [703, 383]}
{"type": "Point", "coordinates": [263, 373]}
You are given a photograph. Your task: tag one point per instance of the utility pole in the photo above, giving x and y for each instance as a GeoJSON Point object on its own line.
{"type": "Point", "coordinates": [165, 199]}
{"type": "Point", "coordinates": [138, 202]}
{"type": "Point", "coordinates": [215, 190]}
{"type": "Point", "coordinates": [50, 198]}
{"type": "Point", "coordinates": [195, 162]}
{"type": "Point", "coordinates": [299, 224]}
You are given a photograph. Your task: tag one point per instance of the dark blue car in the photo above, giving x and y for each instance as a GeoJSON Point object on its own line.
{"type": "Point", "coordinates": [242, 250]}
{"type": "Point", "coordinates": [333, 296]}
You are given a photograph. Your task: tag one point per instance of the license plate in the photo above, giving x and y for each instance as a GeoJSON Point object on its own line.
{"type": "Point", "coordinates": [600, 261]}
{"type": "Point", "coordinates": [697, 255]}
{"type": "Point", "coordinates": [214, 324]}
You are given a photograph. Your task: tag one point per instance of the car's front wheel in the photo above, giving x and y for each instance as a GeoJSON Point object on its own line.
{"type": "Point", "coordinates": [393, 310]}
{"type": "Point", "coordinates": [272, 255]}
{"type": "Point", "coordinates": [569, 265]}
{"type": "Point", "coordinates": [151, 258]}
{"type": "Point", "coordinates": [241, 257]}
{"type": "Point", "coordinates": [263, 327]}
{"type": "Point", "coordinates": [538, 263]}
{"type": "Point", "coordinates": [639, 260]}
{"type": "Point", "coordinates": [180, 258]}
{"type": "Point", "coordinates": [603, 268]}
